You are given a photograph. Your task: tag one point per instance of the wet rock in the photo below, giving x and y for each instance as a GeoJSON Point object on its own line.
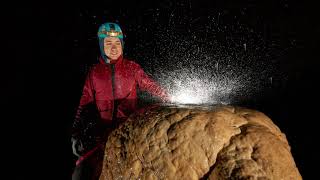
{"type": "Point", "coordinates": [220, 142]}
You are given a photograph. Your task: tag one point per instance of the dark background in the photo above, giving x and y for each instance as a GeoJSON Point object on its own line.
{"type": "Point", "coordinates": [48, 50]}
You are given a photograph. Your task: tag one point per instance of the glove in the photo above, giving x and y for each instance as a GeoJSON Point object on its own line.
{"type": "Point", "coordinates": [77, 146]}
{"type": "Point", "coordinates": [166, 98]}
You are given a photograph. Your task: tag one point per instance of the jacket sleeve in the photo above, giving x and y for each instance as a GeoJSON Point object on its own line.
{"type": "Point", "coordinates": [87, 98]}
{"type": "Point", "coordinates": [145, 83]}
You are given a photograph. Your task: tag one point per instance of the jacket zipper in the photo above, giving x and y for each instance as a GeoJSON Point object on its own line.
{"type": "Point", "coordinates": [114, 108]}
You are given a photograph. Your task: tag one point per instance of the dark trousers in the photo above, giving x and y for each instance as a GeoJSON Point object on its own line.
{"type": "Point", "coordinates": [91, 167]}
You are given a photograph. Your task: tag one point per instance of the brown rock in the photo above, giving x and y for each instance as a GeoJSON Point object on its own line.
{"type": "Point", "coordinates": [221, 142]}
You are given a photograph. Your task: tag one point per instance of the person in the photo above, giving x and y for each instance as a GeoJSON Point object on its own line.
{"type": "Point", "coordinates": [110, 95]}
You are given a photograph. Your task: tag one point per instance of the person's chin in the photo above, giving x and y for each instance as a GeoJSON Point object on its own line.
{"type": "Point", "coordinates": [114, 57]}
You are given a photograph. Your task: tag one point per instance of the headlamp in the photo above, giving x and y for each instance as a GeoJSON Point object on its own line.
{"type": "Point", "coordinates": [111, 33]}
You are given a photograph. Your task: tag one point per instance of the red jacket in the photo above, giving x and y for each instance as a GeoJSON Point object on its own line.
{"type": "Point", "coordinates": [115, 86]}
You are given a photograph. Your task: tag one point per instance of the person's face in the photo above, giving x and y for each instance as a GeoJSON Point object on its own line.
{"type": "Point", "coordinates": [112, 47]}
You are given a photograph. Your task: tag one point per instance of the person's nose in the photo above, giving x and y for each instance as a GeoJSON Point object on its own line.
{"type": "Point", "coordinates": [113, 47]}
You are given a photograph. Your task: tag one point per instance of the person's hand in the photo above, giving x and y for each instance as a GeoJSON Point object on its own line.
{"type": "Point", "coordinates": [77, 146]}
{"type": "Point", "coordinates": [166, 98]}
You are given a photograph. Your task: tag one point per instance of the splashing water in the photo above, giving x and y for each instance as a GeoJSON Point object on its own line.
{"type": "Point", "coordinates": [208, 64]}
{"type": "Point", "coordinates": [192, 88]}
{"type": "Point", "coordinates": [216, 58]}
{"type": "Point", "coordinates": [192, 92]}
{"type": "Point", "coordinates": [195, 90]}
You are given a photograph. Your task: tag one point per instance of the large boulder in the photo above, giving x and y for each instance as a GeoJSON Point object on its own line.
{"type": "Point", "coordinates": [217, 142]}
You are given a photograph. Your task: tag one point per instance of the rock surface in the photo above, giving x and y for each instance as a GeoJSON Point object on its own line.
{"type": "Point", "coordinates": [221, 142]}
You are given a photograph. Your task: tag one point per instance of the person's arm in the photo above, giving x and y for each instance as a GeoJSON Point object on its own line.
{"type": "Point", "coordinates": [87, 98]}
{"type": "Point", "coordinates": [147, 84]}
